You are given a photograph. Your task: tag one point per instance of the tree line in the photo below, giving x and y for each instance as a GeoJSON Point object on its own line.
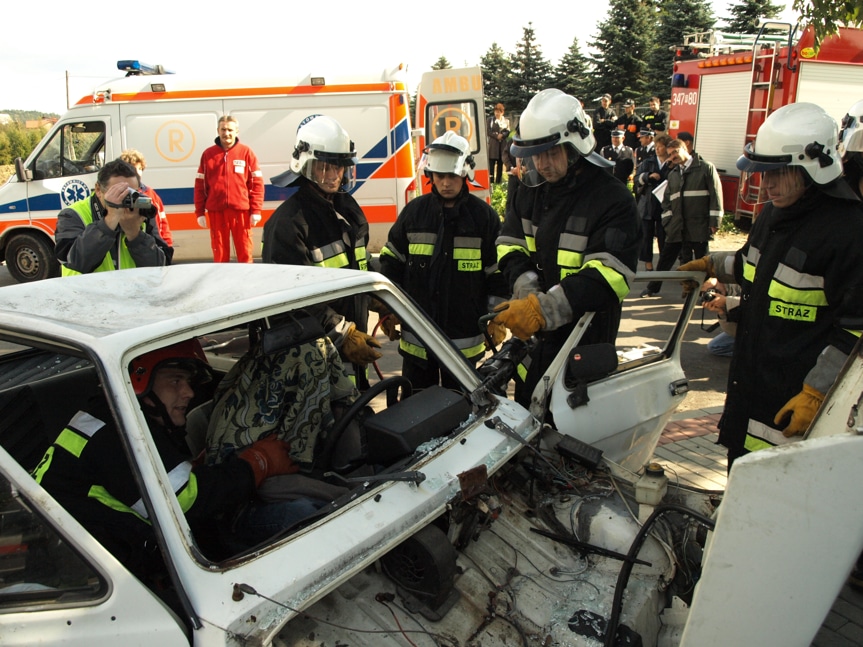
{"type": "Point", "coordinates": [15, 139]}
{"type": "Point", "coordinates": [634, 48]}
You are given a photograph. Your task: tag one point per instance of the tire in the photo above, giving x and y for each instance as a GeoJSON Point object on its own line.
{"type": "Point", "coordinates": [30, 257]}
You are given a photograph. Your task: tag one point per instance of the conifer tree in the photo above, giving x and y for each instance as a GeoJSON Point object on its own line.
{"type": "Point", "coordinates": [623, 44]}
{"type": "Point", "coordinates": [746, 15]}
{"type": "Point", "coordinates": [530, 72]}
{"type": "Point", "coordinates": [571, 74]}
{"type": "Point", "coordinates": [495, 69]}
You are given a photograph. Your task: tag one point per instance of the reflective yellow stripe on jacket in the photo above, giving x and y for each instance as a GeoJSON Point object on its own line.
{"type": "Point", "coordinates": [468, 346]}
{"type": "Point", "coordinates": [126, 261]}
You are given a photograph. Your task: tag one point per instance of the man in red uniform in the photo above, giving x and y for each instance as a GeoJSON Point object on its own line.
{"type": "Point", "coordinates": [230, 187]}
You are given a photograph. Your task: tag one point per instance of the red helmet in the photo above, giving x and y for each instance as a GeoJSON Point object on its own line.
{"type": "Point", "coordinates": [187, 355]}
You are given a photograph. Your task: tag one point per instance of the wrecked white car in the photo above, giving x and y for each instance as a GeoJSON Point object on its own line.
{"type": "Point", "coordinates": [461, 518]}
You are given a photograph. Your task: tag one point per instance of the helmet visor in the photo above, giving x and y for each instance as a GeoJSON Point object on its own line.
{"type": "Point", "coordinates": [752, 162]}
{"type": "Point", "coordinates": [782, 186]}
{"type": "Point", "coordinates": [528, 173]}
{"type": "Point", "coordinates": [550, 165]}
{"type": "Point", "coordinates": [331, 176]}
{"type": "Point", "coordinates": [444, 159]}
{"type": "Point", "coordinates": [528, 147]}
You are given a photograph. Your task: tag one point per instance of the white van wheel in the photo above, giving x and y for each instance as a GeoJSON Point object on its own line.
{"type": "Point", "coordinates": [30, 257]}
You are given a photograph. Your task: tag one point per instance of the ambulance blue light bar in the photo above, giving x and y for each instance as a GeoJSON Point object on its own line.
{"type": "Point", "coordinates": [135, 68]}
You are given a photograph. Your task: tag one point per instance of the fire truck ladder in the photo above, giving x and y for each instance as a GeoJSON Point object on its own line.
{"type": "Point", "coordinates": [766, 71]}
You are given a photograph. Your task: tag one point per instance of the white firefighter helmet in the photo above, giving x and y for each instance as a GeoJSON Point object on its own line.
{"type": "Point", "coordinates": [320, 138]}
{"type": "Point", "coordinates": [851, 135]}
{"type": "Point", "coordinates": [449, 153]}
{"type": "Point", "coordinates": [551, 118]}
{"type": "Point", "coordinates": [798, 134]}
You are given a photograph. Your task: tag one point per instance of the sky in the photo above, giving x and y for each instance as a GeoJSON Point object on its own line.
{"type": "Point", "coordinates": [57, 46]}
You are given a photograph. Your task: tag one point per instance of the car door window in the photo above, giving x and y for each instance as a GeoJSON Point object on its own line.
{"type": "Point", "coordinates": [37, 565]}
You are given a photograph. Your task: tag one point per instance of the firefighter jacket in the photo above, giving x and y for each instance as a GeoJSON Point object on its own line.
{"type": "Point", "coordinates": [86, 471]}
{"type": "Point", "coordinates": [84, 243]}
{"type": "Point", "coordinates": [801, 276]}
{"type": "Point", "coordinates": [692, 203]}
{"type": "Point", "coordinates": [582, 233]}
{"type": "Point", "coordinates": [311, 228]}
{"type": "Point", "coordinates": [655, 120]}
{"type": "Point", "coordinates": [229, 179]}
{"type": "Point", "coordinates": [445, 258]}
{"type": "Point", "coordinates": [623, 158]}
{"type": "Point", "coordinates": [630, 125]}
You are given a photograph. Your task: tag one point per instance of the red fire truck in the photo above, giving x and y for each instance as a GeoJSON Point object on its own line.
{"type": "Point", "coordinates": [725, 85]}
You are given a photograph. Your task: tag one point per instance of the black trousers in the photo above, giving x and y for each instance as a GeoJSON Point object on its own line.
{"type": "Point", "coordinates": [650, 229]}
{"type": "Point", "coordinates": [495, 170]}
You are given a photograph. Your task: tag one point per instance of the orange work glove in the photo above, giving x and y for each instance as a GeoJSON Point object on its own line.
{"type": "Point", "coordinates": [522, 316]}
{"type": "Point", "coordinates": [703, 264]}
{"type": "Point", "coordinates": [269, 457]}
{"type": "Point", "coordinates": [799, 410]}
{"type": "Point", "coordinates": [497, 332]}
{"type": "Point", "coordinates": [358, 347]}
{"type": "Point", "coordinates": [388, 326]}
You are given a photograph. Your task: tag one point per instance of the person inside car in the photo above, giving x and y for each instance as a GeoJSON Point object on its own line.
{"type": "Point", "coordinates": [84, 470]}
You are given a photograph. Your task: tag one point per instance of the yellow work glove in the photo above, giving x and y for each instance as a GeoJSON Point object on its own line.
{"type": "Point", "coordinates": [389, 325]}
{"type": "Point", "coordinates": [703, 264]}
{"type": "Point", "coordinates": [799, 411]}
{"type": "Point", "coordinates": [497, 332]}
{"type": "Point", "coordinates": [522, 316]}
{"type": "Point", "coordinates": [359, 348]}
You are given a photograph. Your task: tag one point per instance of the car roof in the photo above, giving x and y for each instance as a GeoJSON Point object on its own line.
{"type": "Point", "coordinates": [148, 302]}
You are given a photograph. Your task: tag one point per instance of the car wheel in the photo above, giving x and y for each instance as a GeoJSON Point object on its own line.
{"type": "Point", "coordinates": [30, 257]}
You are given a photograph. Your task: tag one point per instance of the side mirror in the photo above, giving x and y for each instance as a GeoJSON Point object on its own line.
{"type": "Point", "coordinates": [585, 364]}
{"type": "Point", "coordinates": [23, 174]}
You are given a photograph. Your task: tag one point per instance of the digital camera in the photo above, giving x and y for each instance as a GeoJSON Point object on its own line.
{"type": "Point", "coordinates": [709, 295]}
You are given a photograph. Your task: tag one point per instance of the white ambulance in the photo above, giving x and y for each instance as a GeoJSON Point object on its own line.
{"type": "Point", "coordinates": [172, 119]}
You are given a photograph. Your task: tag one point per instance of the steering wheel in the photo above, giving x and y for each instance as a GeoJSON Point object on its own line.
{"type": "Point", "coordinates": [71, 168]}
{"type": "Point", "coordinates": [391, 385]}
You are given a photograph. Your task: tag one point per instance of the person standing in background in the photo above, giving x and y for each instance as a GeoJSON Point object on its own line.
{"type": "Point", "coordinates": [603, 122]}
{"type": "Point", "coordinates": [655, 119]}
{"type": "Point", "coordinates": [498, 134]}
{"type": "Point", "coordinates": [441, 251]}
{"type": "Point", "coordinates": [630, 123]}
{"type": "Point", "coordinates": [229, 187]}
{"type": "Point", "coordinates": [652, 171]}
{"type": "Point", "coordinates": [621, 155]}
{"type": "Point", "coordinates": [691, 209]}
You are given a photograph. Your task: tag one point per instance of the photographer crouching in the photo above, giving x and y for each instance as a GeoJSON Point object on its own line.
{"type": "Point", "coordinates": [113, 229]}
{"type": "Point", "coordinates": [721, 299]}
